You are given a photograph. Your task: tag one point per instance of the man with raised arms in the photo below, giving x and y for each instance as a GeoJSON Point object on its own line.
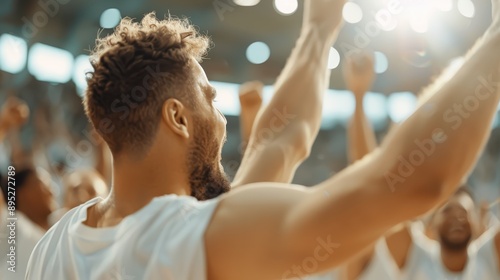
{"type": "Point", "coordinates": [167, 149]}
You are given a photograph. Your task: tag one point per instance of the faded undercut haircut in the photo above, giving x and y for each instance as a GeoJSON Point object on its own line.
{"type": "Point", "coordinates": [135, 69]}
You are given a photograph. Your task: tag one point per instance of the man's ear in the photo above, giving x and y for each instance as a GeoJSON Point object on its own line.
{"type": "Point", "coordinates": [174, 115]}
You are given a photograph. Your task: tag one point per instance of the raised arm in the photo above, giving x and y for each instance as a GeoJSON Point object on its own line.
{"type": "Point", "coordinates": [250, 102]}
{"type": "Point", "coordinates": [315, 229]}
{"type": "Point", "coordinates": [13, 114]}
{"type": "Point", "coordinates": [284, 131]}
{"type": "Point", "coordinates": [359, 75]}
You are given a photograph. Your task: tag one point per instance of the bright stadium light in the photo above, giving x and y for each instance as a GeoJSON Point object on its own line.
{"type": "Point", "coordinates": [50, 64]}
{"type": "Point", "coordinates": [401, 105]}
{"type": "Point", "coordinates": [443, 5]}
{"type": "Point", "coordinates": [375, 105]}
{"type": "Point", "coordinates": [286, 7]}
{"type": "Point", "coordinates": [13, 53]}
{"type": "Point", "coordinates": [246, 3]}
{"type": "Point", "coordinates": [338, 105]}
{"type": "Point", "coordinates": [466, 8]}
{"type": "Point", "coordinates": [352, 12]}
{"type": "Point", "coordinates": [258, 52]}
{"type": "Point", "coordinates": [419, 24]}
{"type": "Point", "coordinates": [82, 67]}
{"type": "Point", "coordinates": [110, 18]}
{"type": "Point", "coordinates": [420, 13]}
{"type": "Point", "coordinates": [227, 98]}
{"type": "Point", "coordinates": [381, 62]}
{"type": "Point", "coordinates": [333, 58]}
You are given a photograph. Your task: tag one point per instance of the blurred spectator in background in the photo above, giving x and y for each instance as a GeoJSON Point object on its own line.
{"type": "Point", "coordinates": [359, 75]}
{"type": "Point", "coordinates": [13, 114]}
{"type": "Point", "coordinates": [34, 201]}
{"type": "Point", "coordinates": [29, 194]}
{"type": "Point", "coordinates": [79, 187]}
{"type": "Point", "coordinates": [456, 226]}
{"type": "Point", "coordinates": [34, 196]}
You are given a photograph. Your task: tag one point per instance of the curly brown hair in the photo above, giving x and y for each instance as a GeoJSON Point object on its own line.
{"type": "Point", "coordinates": [137, 68]}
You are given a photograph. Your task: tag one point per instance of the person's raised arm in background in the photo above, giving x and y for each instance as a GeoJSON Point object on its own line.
{"type": "Point", "coordinates": [359, 75]}
{"type": "Point", "coordinates": [13, 114]}
{"type": "Point", "coordinates": [250, 95]}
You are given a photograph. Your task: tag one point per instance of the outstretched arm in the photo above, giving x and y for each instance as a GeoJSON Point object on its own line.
{"type": "Point", "coordinates": [286, 128]}
{"type": "Point", "coordinates": [294, 228]}
{"type": "Point", "coordinates": [359, 76]}
{"type": "Point", "coordinates": [250, 102]}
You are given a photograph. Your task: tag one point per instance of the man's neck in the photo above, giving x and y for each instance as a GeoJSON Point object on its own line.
{"type": "Point", "coordinates": [135, 184]}
{"type": "Point", "coordinates": [454, 260]}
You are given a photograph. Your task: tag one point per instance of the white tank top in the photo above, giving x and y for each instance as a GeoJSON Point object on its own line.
{"type": "Point", "coordinates": [382, 265]}
{"type": "Point", "coordinates": [425, 262]}
{"type": "Point", "coordinates": [486, 265]}
{"type": "Point", "coordinates": [419, 264]}
{"type": "Point", "coordinates": [163, 240]}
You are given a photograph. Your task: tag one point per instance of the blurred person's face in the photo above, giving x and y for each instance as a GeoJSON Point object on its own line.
{"type": "Point", "coordinates": [206, 175]}
{"type": "Point", "coordinates": [454, 222]}
{"type": "Point", "coordinates": [37, 194]}
{"type": "Point", "coordinates": [83, 186]}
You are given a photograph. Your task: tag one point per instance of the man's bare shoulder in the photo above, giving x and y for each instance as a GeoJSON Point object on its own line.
{"type": "Point", "coordinates": [247, 220]}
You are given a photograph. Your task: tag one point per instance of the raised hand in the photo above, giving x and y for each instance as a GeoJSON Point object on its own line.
{"type": "Point", "coordinates": [250, 103]}
{"type": "Point", "coordinates": [359, 73]}
{"type": "Point", "coordinates": [251, 94]}
{"type": "Point", "coordinates": [14, 113]}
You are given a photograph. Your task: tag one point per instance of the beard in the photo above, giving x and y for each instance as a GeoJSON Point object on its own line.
{"type": "Point", "coordinates": [454, 245]}
{"type": "Point", "coordinates": [206, 178]}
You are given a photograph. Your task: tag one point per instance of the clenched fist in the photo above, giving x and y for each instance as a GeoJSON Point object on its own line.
{"type": "Point", "coordinates": [359, 73]}
{"type": "Point", "coordinates": [14, 113]}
